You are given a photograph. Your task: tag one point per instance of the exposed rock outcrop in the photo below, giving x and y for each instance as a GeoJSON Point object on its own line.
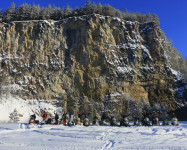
{"type": "Point", "coordinates": [87, 61]}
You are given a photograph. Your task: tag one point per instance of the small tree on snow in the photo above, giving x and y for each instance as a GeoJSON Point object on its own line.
{"type": "Point", "coordinates": [14, 116]}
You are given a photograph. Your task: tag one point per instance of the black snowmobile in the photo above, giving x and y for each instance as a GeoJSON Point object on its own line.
{"type": "Point", "coordinates": [124, 122]}
{"type": "Point", "coordinates": [113, 122]}
{"type": "Point", "coordinates": [165, 122]}
{"type": "Point", "coordinates": [136, 122]}
{"type": "Point", "coordinates": [146, 122]}
{"type": "Point", "coordinates": [155, 121]}
{"type": "Point", "coordinates": [86, 122]}
{"type": "Point", "coordinates": [32, 119]}
{"type": "Point", "coordinates": [103, 120]}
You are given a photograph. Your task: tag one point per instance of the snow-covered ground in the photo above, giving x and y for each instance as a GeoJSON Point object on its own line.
{"type": "Point", "coordinates": [18, 136]}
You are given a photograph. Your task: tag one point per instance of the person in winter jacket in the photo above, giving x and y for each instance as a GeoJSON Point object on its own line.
{"type": "Point", "coordinates": [32, 119]}
{"type": "Point", "coordinates": [56, 118]}
{"type": "Point", "coordinates": [165, 119]}
{"type": "Point", "coordinates": [45, 116]}
{"type": "Point", "coordinates": [65, 118]}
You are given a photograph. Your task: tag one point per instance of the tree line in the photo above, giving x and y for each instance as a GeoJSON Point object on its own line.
{"type": "Point", "coordinates": [35, 12]}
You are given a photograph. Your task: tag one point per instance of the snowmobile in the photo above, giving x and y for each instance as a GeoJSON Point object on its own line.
{"type": "Point", "coordinates": [78, 121]}
{"type": "Point", "coordinates": [125, 122]}
{"type": "Point", "coordinates": [96, 120]}
{"type": "Point", "coordinates": [103, 123]}
{"type": "Point", "coordinates": [48, 121]}
{"type": "Point", "coordinates": [32, 119]}
{"type": "Point", "coordinates": [70, 123]}
{"type": "Point", "coordinates": [155, 121]}
{"type": "Point", "coordinates": [113, 122]}
{"type": "Point", "coordinates": [136, 122]}
{"type": "Point", "coordinates": [165, 122]}
{"type": "Point", "coordinates": [103, 120]}
{"type": "Point", "coordinates": [86, 122]}
{"type": "Point", "coordinates": [53, 122]}
{"type": "Point", "coordinates": [146, 122]}
{"type": "Point", "coordinates": [174, 122]}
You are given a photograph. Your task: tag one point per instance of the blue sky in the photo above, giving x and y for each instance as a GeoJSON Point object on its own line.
{"type": "Point", "coordinates": [172, 14]}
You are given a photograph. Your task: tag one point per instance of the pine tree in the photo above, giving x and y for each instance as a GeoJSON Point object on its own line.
{"type": "Point", "coordinates": [99, 8]}
{"type": "Point", "coordinates": [23, 12]}
{"type": "Point", "coordinates": [76, 11]}
{"type": "Point", "coordinates": [94, 8]}
{"type": "Point", "coordinates": [148, 17]}
{"type": "Point", "coordinates": [88, 7]}
{"type": "Point", "coordinates": [68, 11]}
{"type": "Point", "coordinates": [35, 12]}
{"type": "Point", "coordinates": [44, 13]}
{"type": "Point", "coordinates": [1, 15]}
{"type": "Point", "coordinates": [118, 14]}
{"type": "Point", "coordinates": [108, 10]}
{"type": "Point", "coordinates": [56, 13]}
{"type": "Point", "coordinates": [14, 116]}
{"type": "Point", "coordinates": [9, 14]}
{"type": "Point", "coordinates": [155, 18]}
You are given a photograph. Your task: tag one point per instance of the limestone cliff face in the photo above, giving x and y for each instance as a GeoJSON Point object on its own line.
{"type": "Point", "coordinates": [88, 63]}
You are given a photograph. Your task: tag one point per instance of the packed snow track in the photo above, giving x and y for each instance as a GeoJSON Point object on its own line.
{"type": "Point", "coordinates": [31, 137]}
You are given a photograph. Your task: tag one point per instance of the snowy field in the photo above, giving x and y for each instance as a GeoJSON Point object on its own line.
{"type": "Point", "coordinates": [17, 136]}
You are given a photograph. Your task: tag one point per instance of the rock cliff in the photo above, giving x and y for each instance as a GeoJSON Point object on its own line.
{"type": "Point", "coordinates": [89, 63]}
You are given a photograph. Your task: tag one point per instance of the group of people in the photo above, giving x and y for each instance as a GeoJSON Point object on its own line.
{"type": "Point", "coordinates": [105, 120]}
{"type": "Point", "coordinates": [45, 120]}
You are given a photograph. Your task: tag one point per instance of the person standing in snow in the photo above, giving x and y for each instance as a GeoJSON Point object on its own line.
{"type": "Point", "coordinates": [65, 118]}
{"type": "Point", "coordinates": [165, 119]}
{"type": "Point", "coordinates": [45, 116]}
{"type": "Point", "coordinates": [56, 118]}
